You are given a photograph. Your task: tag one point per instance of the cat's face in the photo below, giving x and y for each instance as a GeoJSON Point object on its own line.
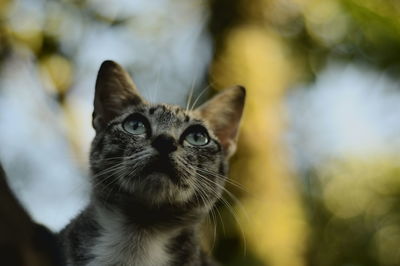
{"type": "Point", "coordinates": [157, 152]}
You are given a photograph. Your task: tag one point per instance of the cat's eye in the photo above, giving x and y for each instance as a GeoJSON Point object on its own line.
{"type": "Point", "coordinates": [134, 125]}
{"type": "Point", "coordinates": [197, 136]}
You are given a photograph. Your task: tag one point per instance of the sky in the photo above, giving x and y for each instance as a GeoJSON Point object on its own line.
{"type": "Point", "coordinates": [350, 110]}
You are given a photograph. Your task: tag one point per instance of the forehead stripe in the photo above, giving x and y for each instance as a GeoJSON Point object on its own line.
{"type": "Point", "coordinates": [151, 110]}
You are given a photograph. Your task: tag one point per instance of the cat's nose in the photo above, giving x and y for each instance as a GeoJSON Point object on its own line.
{"type": "Point", "coordinates": [164, 144]}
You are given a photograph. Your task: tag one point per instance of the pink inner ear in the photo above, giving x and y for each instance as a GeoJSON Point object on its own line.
{"type": "Point", "coordinates": [224, 133]}
{"type": "Point", "coordinates": [223, 114]}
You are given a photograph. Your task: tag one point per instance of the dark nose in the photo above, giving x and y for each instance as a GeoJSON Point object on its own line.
{"type": "Point", "coordinates": [164, 144]}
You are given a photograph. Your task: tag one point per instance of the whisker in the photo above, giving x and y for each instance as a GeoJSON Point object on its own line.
{"type": "Point", "coordinates": [209, 184]}
{"type": "Point", "coordinates": [230, 181]}
{"type": "Point", "coordinates": [227, 180]}
{"type": "Point", "coordinates": [157, 84]}
{"type": "Point", "coordinates": [189, 100]}
{"type": "Point", "coordinates": [221, 220]}
{"type": "Point", "coordinates": [231, 210]}
{"type": "Point", "coordinates": [117, 168]}
{"type": "Point", "coordinates": [198, 97]}
{"type": "Point", "coordinates": [230, 194]}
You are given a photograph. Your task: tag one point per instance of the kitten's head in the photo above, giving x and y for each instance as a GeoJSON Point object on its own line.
{"type": "Point", "coordinates": [157, 152]}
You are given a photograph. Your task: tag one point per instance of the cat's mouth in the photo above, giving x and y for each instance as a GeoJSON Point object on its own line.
{"type": "Point", "coordinates": [161, 166]}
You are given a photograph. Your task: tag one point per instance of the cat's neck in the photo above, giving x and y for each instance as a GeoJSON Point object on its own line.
{"type": "Point", "coordinates": [133, 231]}
{"type": "Point", "coordinates": [123, 243]}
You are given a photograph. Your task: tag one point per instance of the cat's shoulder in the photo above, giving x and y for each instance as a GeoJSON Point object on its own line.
{"type": "Point", "coordinates": [78, 236]}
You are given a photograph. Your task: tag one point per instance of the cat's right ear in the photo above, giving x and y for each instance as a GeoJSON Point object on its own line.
{"type": "Point", "coordinates": [115, 91]}
{"type": "Point", "coordinates": [223, 114]}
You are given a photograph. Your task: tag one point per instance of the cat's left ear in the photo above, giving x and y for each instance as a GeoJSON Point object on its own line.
{"type": "Point", "coordinates": [223, 114]}
{"type": "Point", "coordinates": [115, 91]}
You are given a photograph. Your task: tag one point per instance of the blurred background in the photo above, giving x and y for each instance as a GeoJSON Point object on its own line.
{"type": "Point", "coordinates": [317, 172]}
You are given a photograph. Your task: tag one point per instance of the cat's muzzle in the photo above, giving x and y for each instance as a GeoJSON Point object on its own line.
{"type": "Point", "coordinates": [163, 165]}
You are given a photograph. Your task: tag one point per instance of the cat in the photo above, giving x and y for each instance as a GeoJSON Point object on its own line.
{"type": "Point", "coordinates": [156, 172]}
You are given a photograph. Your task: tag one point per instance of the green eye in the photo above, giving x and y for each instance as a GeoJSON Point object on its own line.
{"type": "Point", "coordinates": [134, 126]}
{"type": "Point", "coordinates": [197, 138]}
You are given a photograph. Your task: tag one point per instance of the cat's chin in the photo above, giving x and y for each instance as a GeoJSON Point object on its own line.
{"type": "Point", "coordinates": [160, 187]}
{"type": "Point", "coordinates": [153, 184]}
{"type": "Point", "coordinates": [157, 180]}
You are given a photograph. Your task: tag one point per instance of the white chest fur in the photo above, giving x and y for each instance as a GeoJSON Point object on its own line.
{"type": "Point", "coordinates": [121, 245]}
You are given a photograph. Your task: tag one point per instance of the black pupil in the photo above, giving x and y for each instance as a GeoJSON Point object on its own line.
{"type": "Point", "coordinates": [135, 125]}
{"type": "Point", "coordinates": [198, 136]}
